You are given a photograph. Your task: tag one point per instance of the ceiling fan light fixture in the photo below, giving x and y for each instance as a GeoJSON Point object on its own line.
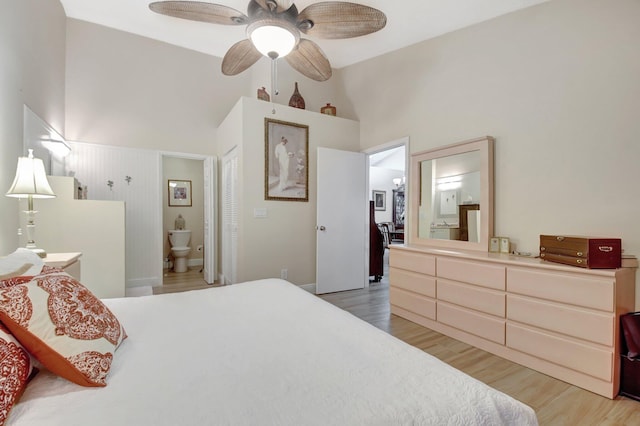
{"type": "Point", "coordinates": [274, 39]}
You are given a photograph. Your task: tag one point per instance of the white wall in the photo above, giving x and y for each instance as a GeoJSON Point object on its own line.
{"type": "Point", "coordinates": [94, 166]}
{"type": "Point", "coordinates": [32, 51]}
{"type": "Point", "coordinates": [556, 84]}
{"type": "Point", "coordinates": [381, 179]}
{"type": "Point", "coordinates": [315, 94]}
{"type": "Point", "coordinates": [287, 237]}
{"type": "Point", "coordinates": [94, 228]}
{"type": "Point", "coordinates": [132, 91]}
{"type": "Point", "coordinates": [127, 90]}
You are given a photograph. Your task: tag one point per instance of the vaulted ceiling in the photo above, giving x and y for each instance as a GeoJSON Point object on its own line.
{"type": "Point", "coordinates": [408, 22]}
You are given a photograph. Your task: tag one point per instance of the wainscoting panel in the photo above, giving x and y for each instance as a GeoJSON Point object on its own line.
{"type": "Point", "coordinates": [132, 176]}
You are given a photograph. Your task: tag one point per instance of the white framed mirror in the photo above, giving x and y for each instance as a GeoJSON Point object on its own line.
{"type": "Point", "coordinates": [451, 195]}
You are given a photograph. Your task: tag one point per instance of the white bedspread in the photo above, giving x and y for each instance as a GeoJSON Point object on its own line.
{"type": "Point", "coordinates": [263, 353]}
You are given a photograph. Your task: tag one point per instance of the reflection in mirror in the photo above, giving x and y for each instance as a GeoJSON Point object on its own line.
{"type": "Point", "coordinates": [45, 142]}
{"type": "Point", "coordinates": [448, 184]}
{"type": "Point", "coordinates": [452, 205]}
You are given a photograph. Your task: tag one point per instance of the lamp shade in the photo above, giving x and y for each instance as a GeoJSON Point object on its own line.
{"type": "Point", "coordinates": [30, 179]}
{"type": "Point", "coordinates": [273, 38]}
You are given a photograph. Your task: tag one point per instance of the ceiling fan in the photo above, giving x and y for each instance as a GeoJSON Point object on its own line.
{"type": "Point", "coordinates": [274, 27]}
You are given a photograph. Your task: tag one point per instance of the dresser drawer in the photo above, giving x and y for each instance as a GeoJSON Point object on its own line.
{"type": "Point", "coordinates": [596, 293]}
{"type": "Point", "coordinates": [412, 281]}
{"type": "Point", "coordinates": [481, 325]}
{"type": "Point", "coordinates": [567, 353]}
{"type": "Point", "coordinates": [480, 299]}
{"type": "Point", "coordinates": [482, 274]}
{"type": "Point", "coordinates": [413, 302]}
{"type": "Point", "coordinates": [417, 262]}
{"type": "Point", "coordinates": [587, 325]}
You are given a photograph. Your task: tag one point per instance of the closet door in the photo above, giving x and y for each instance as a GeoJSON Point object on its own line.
{"type": "Point", "coordinates": [229, 217]}
{"type": "Point", "coordinates": [210, 173]}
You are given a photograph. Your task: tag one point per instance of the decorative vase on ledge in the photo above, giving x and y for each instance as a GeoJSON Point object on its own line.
{"type": "Point", "coordinates": [328, 109]}
{"type": "Point", "coordinates": [296, 101]}
{"type": "Point", "coordinates": [263, 95]}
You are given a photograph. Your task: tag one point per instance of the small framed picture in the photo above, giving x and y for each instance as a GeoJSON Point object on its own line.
{"type": "Point", "coordinates": [505, 245]}
{"type": "Point", "coordinates": [494, 245]}
{"type": "Point", "coordinates": [379, 199]}
{"type": "Point", "coordinates": [179, 193]}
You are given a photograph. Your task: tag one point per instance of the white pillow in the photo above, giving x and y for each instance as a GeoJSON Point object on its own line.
{"type": "Point", "coordinates": [16, 260]}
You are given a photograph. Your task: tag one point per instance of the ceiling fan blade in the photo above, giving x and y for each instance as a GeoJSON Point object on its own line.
{"type": "Point", "coordinates": [200, 11]}
{"type": "Point", "coordinates": [335, 19]}
{"type": "Point", "coordinates": [280, 5]}
{"type": "Point", "coordinates": [240, 57]}
{"type": "Point", "coordinates": [308, 59]}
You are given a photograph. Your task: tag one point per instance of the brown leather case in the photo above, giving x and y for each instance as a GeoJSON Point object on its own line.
{"type": "Point", "coordinates": [585, 252]}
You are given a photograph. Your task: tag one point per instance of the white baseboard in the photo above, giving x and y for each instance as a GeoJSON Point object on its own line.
{"type": "Point", "coordinates": [144, 282]}
{"type": "Point", "coordinates": [195, 262]}
{"type": "Point", "coordinates": [139, 291]}
{"type": "Point", "coordinates": [311, 288]}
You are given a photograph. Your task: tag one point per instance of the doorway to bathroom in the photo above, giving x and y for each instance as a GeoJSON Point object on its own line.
{"type": "Point", "coordinates": [188, 202]}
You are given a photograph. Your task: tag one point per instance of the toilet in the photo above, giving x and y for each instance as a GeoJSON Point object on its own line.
{"type": "Point", "coordinates": [180, 249]}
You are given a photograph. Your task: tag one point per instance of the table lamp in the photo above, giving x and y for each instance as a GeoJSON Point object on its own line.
{"type": "Point", "coordinates": [31, 182]}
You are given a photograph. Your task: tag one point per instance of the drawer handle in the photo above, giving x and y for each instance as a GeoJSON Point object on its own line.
{"type": "Point", "coordinates": [579, 254]}
{"type": "Point", "coordinates": [605, 249]}
{"type": "Point", "coordinates": [559, 238]}
{"type": "Point", "coordinates": [578, 261]}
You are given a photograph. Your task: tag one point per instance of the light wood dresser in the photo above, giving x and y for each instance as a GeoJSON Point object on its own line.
{"type": "Point", "coordinates": [560, 320]}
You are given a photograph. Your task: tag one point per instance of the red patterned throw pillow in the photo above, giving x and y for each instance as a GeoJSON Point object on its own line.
{"type": "Point", "coordinates": [15, 368]}
{"type": "Point", "coordinates": [62, 324]}
{"type": "Point", "coordinates": [23, 279]}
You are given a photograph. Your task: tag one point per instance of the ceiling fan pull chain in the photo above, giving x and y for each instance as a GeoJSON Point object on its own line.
{"type": "Point", "coordinates": [274, 81]}
{"type": "Point", "coordinates": [274, 76]}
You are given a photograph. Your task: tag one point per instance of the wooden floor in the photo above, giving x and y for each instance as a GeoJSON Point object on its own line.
{"type": "Point", "coordinates": [174, 282]}
{"type": "Point", "coordinates": [555, 402]}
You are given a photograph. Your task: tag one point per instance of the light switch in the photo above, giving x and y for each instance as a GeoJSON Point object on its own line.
{"type": "Point", "coordinates": [260, 212]}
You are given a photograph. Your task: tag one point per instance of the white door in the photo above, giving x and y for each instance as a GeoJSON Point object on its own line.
{"type": "Point", "coordinates": [342, 221]}
{"type": "Point", "coordinates": [229, 216]}
{"type": "Point", "coordinates": [210, 173]}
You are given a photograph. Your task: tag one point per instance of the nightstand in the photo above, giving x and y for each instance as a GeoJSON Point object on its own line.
{"type": "Point", "coordinates": [69, 262]}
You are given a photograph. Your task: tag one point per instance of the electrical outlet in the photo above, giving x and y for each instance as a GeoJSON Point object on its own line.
{"type": "Point", "coordinates": [283, 274]}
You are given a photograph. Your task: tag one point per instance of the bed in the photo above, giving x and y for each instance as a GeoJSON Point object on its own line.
{"type": "Point", "coordinates": [261, 353]}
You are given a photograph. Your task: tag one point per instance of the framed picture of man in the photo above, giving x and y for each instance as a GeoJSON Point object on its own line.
{"type": "Point", "coordinates": [379, 200]}
{"type": "Point", "coordinates": [286, 161]}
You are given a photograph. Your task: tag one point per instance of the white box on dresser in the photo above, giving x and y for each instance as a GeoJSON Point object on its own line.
{"type": "Point", "coordinates": [560, 320]}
